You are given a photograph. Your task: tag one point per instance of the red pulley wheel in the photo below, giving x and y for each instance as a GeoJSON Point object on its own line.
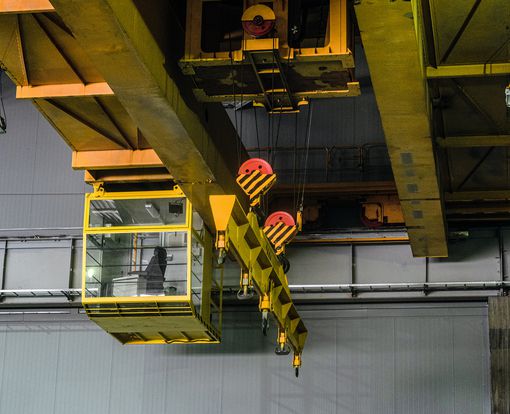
{"type": "Point", "coordinates": [255, 164]}
{"type": "Point", "coordinates": [258, 29]}
{"type": "Point", "coordinates": [280, 217]}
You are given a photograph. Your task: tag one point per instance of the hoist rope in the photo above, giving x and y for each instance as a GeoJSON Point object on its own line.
{"type": "Point", "coordinates": [307, 150]}
{"type": "Point", "coordinates": [281, 111]}
{"type": "Point", "coordinates": [232, 75]}
{"type": "Point", "coordinates": [273, 153]}
{"type": "Point", "coordinates": [256, 128]}
{"type": "Point", "coordinates": [270, 137]}
{"type": "Point", "coordinates": [240, 140]}
{"type": "Point", "coordinates": [294, 169]}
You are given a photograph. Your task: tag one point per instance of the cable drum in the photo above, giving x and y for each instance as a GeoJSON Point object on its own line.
{"type": "Point", "coordinates": [258, 20]}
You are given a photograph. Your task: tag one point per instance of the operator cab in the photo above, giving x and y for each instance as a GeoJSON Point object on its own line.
{"type": "Point", "coordinates": [148, 271]}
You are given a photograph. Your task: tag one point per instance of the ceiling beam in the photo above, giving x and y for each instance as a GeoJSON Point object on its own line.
{"type": "Point", "coordinates": [461, 71]}
{"type": "Point", "coordinates": [25, 6]}
{"type": "Point", "coordinates": [474, 141]}
{"type": "Point", "coordinates": [397, 72]}
{"type": "Point", "coordinates": [197, 143]}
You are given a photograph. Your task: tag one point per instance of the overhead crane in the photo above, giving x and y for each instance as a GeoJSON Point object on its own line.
{"type": "Point", "coordinates": [149, 274]}
{"type": "Point", "coordinates": [130, 128]}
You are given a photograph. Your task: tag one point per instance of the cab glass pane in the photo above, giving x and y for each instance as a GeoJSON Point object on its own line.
{"type": "Point", "coordinates": [137, 212]}
{"type": "Point", "coordinates": [136, 264]}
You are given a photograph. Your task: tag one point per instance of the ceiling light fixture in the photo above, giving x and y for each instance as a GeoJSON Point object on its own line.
{"type": "Point", "coordinates": [152, 210]}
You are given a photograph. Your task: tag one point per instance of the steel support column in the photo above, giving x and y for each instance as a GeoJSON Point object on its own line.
{"type": "Point", "coordinates": [499, 342]}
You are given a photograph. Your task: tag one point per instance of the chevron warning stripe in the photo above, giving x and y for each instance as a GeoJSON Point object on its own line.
{"type": "Point", "coordinates": [255, 184]}
{"type": "Point", "coordinates": [279, 235]}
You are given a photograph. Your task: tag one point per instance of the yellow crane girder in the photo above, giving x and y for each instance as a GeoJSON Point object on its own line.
{"type": "Point", "coordinates": [239, 234]}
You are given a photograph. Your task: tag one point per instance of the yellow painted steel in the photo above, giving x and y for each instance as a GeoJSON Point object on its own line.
{"type": "Point", "coordinates": [154, 319]}
{"type": "Point", "coordinates": [405, 117]}
{"type": "Point", "coordinates": [258, 10]}
{"type": "Point", "coordinates": [239, 234]}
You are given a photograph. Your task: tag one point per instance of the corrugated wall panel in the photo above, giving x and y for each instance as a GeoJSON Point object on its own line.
{"type": "Point", "coordinates": [243, 353]}
{"type": "Point", "coordinates": [126, 391]}
{"type": "Point", "coordinates": [3, 336]}
{"type": "Point", "coordinates": [84, 369]}
{"type": "Point", "coordinates": [423, 365]}
{"type": "Point", "coordinates": [419, 359]}
{"type": "Point", "coordinates": [154, 380]}
{"type": "Point", "coordinates": [467, 363]}
{"type": "Point", "coordinates": [29, 374]}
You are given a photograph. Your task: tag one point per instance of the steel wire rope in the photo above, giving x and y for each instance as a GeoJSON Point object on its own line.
{"type": "Point", "coordinates": [294, 168]}
{"type": "Point", "coordinates": [240, 140]}
{"type": "Point", "coordinates": [281, 110]}
{"type": "Point", "coordinates": [273, 152]}
{"type": "Point", "coordinates": [307, 150]}
{"type": "Point", "coordinates": [270, 137]}
{"type": "Point", "coordinates": [256, 128]}
{"type": "Point", "coordinates": [232, 76]}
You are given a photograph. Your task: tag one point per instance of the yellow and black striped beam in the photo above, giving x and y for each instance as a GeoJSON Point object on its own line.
{"type": "Point", "coordinates": [255, 184]}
